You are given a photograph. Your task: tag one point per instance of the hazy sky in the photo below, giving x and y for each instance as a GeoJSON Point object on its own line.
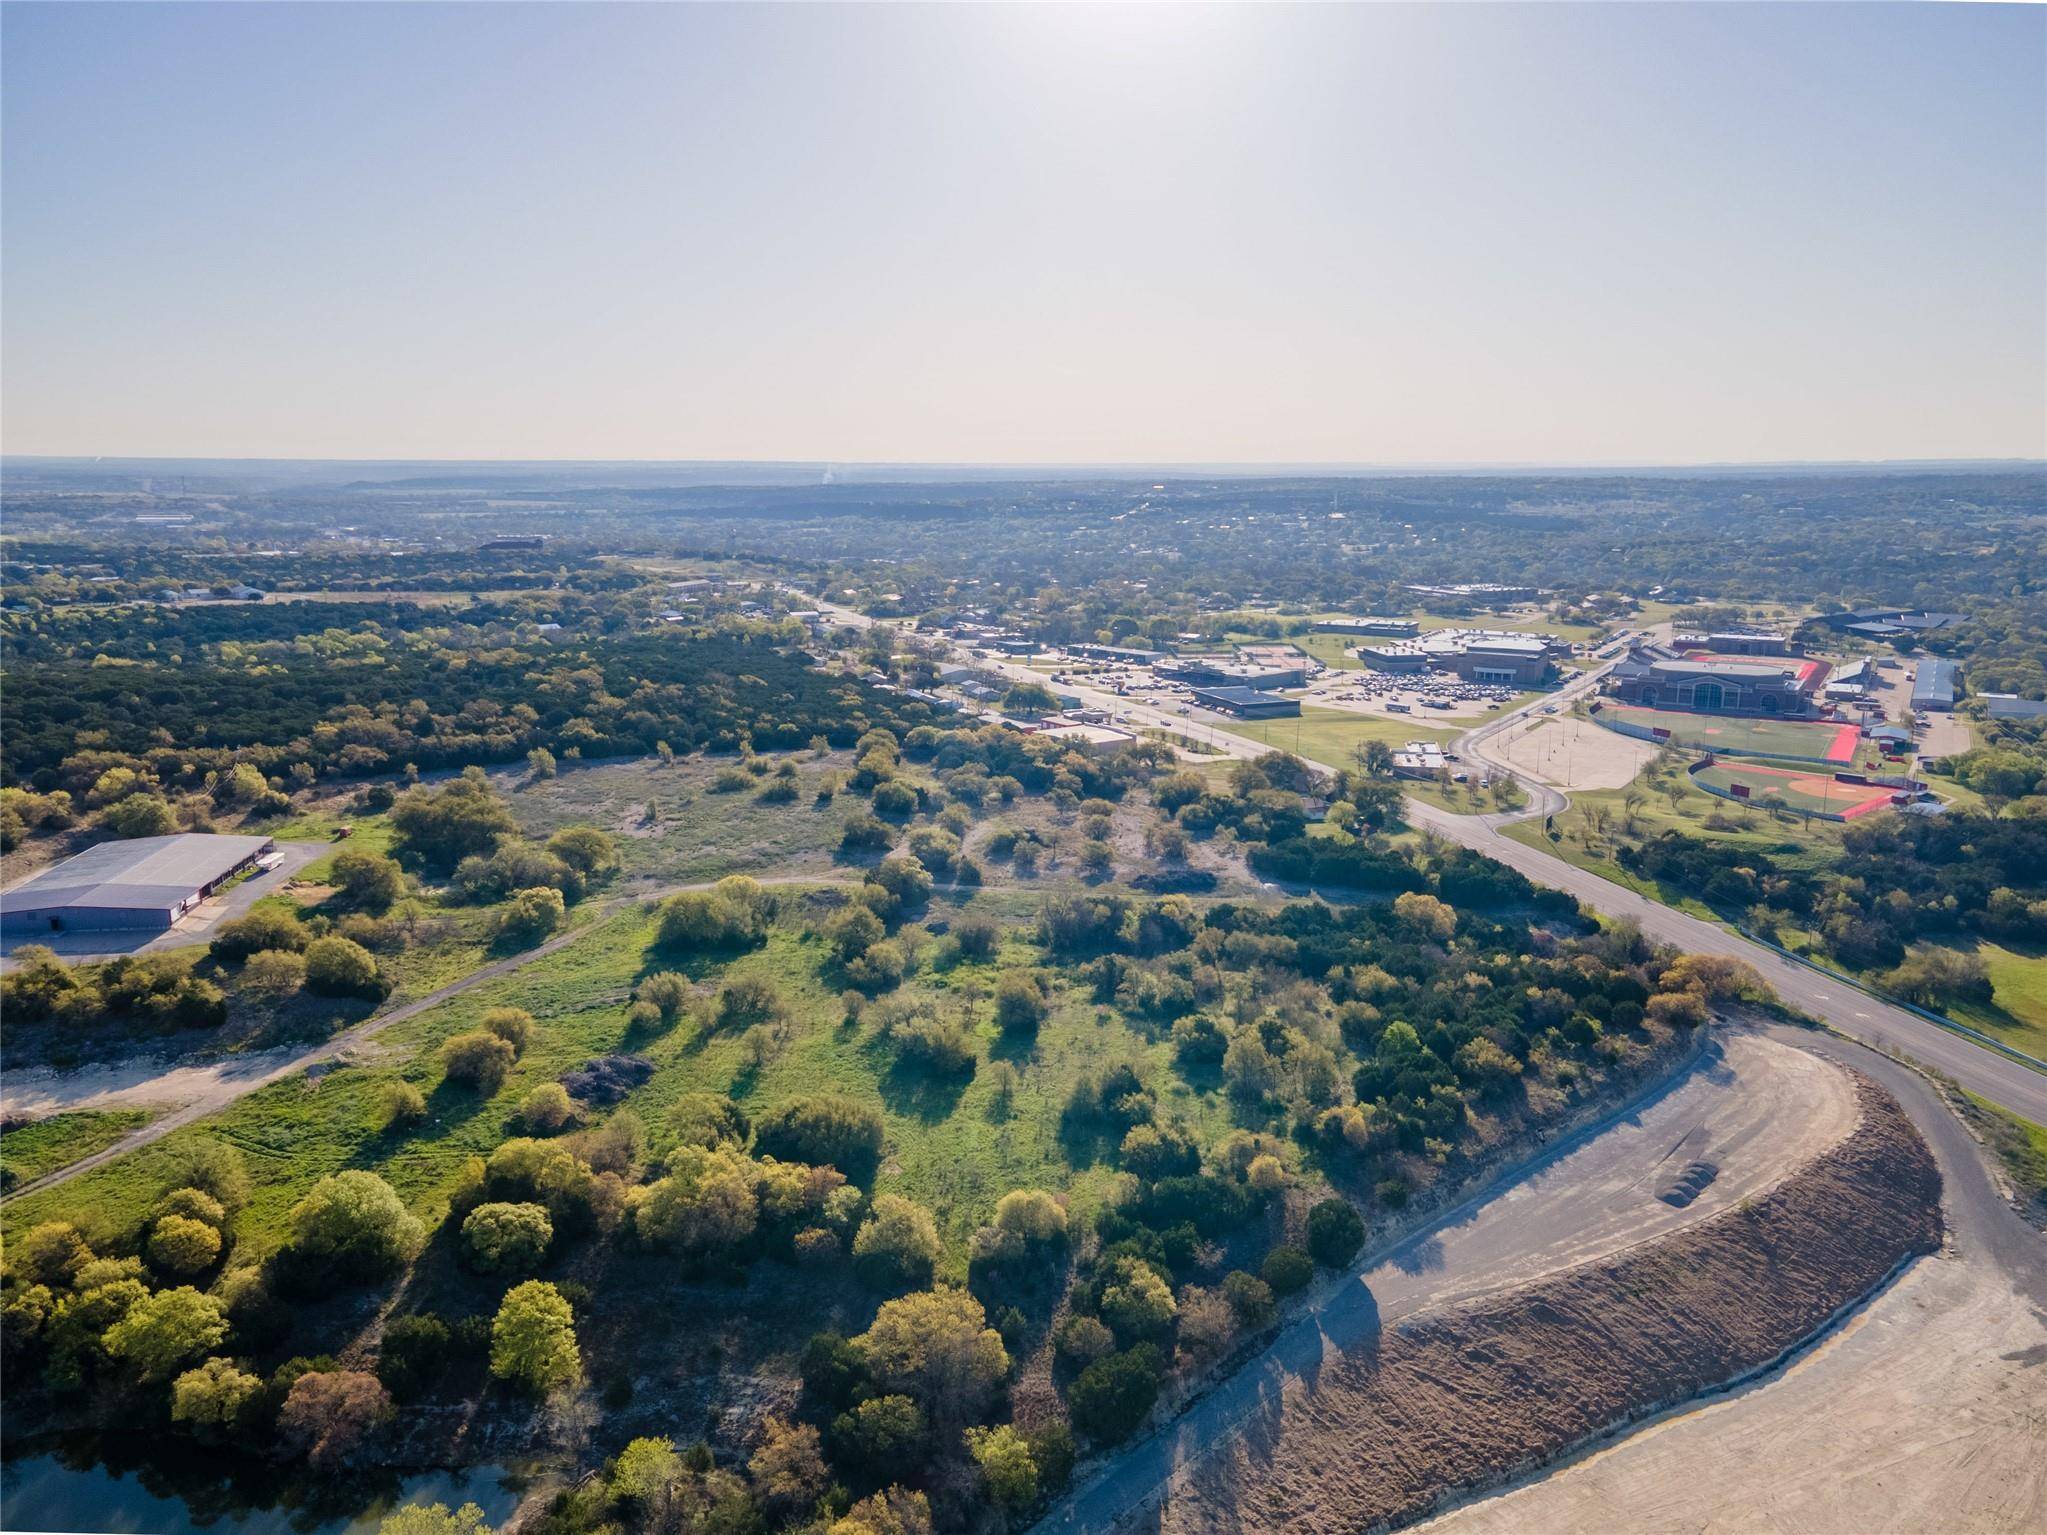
{"type": "Point", "coordinates": [1380, 234]}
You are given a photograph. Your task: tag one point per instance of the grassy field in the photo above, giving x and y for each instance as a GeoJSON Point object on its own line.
{"type": "Point", "coordinates": [1328, 735]}
{"type": "Point", "coordinates": [29, 1151]}
{"type": "Point", "coordinates": [672, 825]}
{"type": "Point", "coordinates": [949, 1147]}
{"type": "Point", "coordinates": [1808, 740]}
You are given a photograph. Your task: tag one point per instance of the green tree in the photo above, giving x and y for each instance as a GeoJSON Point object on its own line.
{"type": "Point", "coordinates": [181, 1245]}
{"type": "Point", "coordinates": [163, 1331]}
{"type": "Point", "coordinates": [533, 1339]}
{"type": "Point", "coordinates": [478, 1060]}
{"type": "Point", "coordinates": [898, 1244]}
{"type": "Point", "coordinates": [1112, 1396]}
{"type": "Point", "coordinates": [339, 967]}
{"type": "Point", "coordinates": [936, 1347]}
{"type": "Point", "coordinates": [502, 1238]}
{"type": "Point", "coordinates": [274, 973]}
{"type": "Point", "coordinates": [1007, 1465]}
{"type": "Point", "coordinates": [355, 1222]}
{"type": "Point", "coordinates": [366, 879]}
{"type": "Point", "coordinates": [212, 1397]}
{"type": "Point", "coordinates": [1335, 1233]}
{"type": "Point", "coordinates": [434, 1519]}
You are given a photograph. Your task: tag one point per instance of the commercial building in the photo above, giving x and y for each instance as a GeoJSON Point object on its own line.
{"type": "Point", "coordinates": [1495, 593]}
{"type": "Point", "coordinates": [1657, 679]}
{"type": "Point", "coordinates": [1089, 740]}
{"type": "Point", "coordinates": [1384, 628]}
{"type": "Point", "coordinates": [1495, 656]}
{"type": "Point", "coordinates": [1129, 655]}
{"type": "Point", "coordinates": [1934, 684]}
{"type": "Point", "coordinates": [2009, 706]}
{"type": "Point", "coordinates": [1228, 671]}
{"type": "Point", "coordinates": [141, 884]}
{"type": "Point", "coordinates": [1890, 623]}
{"type": "Point", "coordinates": [1246, 703]}
{"type": "Point", "coordinates": [1742, 642]}
{"type": "Point", "coordinates": [515, 541]}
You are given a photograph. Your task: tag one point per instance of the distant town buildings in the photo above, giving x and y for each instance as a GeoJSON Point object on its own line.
{"type": "Point", "coordinates": [1494, 593]}
{"type": "Point", "coordinates": [515, 541]}
{"type": "Point", "coordinates": [1385, 628]}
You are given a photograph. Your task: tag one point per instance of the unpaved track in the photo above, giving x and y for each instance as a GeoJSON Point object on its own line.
{"type": "Point", "coordinates": [1764, 1109]}
{"type": "Point", "coordinates": [203, 1090]}
{"type": "Point", "coordinates": [1926, 1413]}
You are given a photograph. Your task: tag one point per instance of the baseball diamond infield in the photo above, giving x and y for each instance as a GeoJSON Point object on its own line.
{"type": "Point", "coordinates": [1814, 792]}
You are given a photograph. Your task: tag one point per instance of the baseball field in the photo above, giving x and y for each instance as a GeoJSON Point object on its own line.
{"type": "Point", "coordinates": [1817, 792]}
{"type": "Point", "coordinates": [1804, 740]}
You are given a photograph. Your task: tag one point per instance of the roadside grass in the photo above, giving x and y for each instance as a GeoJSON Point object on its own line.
{"type": "Point", "coordinates": [29, 1151]}
{"type": "Point", "coordinates": [2018, 1143]}
{"type": "Point", "coordinates": [1329, 735]}
{"type": "Point", "coordinates": [1467, 798]}
{"type": "Point", "coordinates": [950, 1145]}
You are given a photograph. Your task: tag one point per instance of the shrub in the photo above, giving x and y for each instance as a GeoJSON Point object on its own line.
{"type": "Point", "coordinates": [164, 1331]}
{"type": "Point", "coordinates": [330, 1415]}
{"type": "Point", "coordinates": [507, 1238]}
{"type": "Point", "coordinates": [748, 999]}
{"type": "Point", "coordinates": [668, 993]}
{"type": "Point", "coordinates": [400, 1104]}
{"type": "Point", "coordinates": [180, 1245]}
{"type": "Point", "coordinates": [415, 1349]}
{"type": "Point", "coordinates": [586, 849]}
{"type": "Point", "coordinates": [213, 1396]}
{"type": "Point", "coordinates": [336, 967]}
{"type": "Point", "coordinates": [705, 1119]}
{"type": "Point", "coordinates": [824, 1131]}
{"type": "Point", "coordinates": [834, 1370]}
{"type": "Point", "coordinates": [1250, 1298]}
{"type": "Point", "coordinates": [1335, 1233]}
{"type": "Point", "coordinates": [1008, 1468]}
{"type": "Point", "coordinates": [1032, 1215]}
{"type": "Point", "coordinates": [546, 1109]}
{"type": "Point", "coordinates": [1137, 1302]}
{"type": "Point", "coordinates": [734, 915]}
{"type": "Point", "coordinates": [356, 1224]}
{"type": "Point", "coordinates": [1082, 1340]}
{"type": "Point", "coordinates": [936, 1347]}
{"type": "Point", "coordinates": [533, 1339]}
{"type": "Point", "coordinates": [897, 1246]}
{"type": "Point", "coordinates": [194, 1204]}
{"type": "Point", "coordinates": [530, 915]}
{"type": "Point", "coordinates": [514, 1025]}
{"type": "Point", "coordinates": [265, 927]}
{"type": "Point", "coordinates": [478, 1060]}
{"type": "Point", "coordinates": [274, 973]}
{"type": "Point", "coordinates": [1112, 1396]}
{"type": "Point", "coordinates": [865, 833]}
{"type": "Point", "coordinates": [787, 1469]}
{"type": "Point", "coordinates": [1287, 1270]}
{"type": "Point", "coordinates": [881, 1438]}
{"type": "Point", "coordinates": [366, 879]}
{"type": "Point", "coordinates": [1019, 1002]}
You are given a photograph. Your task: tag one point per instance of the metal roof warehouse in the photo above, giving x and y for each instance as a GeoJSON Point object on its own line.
{"type": "Point", "coordinates": [144, 883]}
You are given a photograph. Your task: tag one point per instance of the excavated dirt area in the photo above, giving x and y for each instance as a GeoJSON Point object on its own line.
{"type": "Point", "coordinates": [1472, 1396]}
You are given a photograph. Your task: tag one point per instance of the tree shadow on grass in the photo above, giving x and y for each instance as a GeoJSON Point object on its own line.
{"type": "Point", "coordinates": [921, 1095]}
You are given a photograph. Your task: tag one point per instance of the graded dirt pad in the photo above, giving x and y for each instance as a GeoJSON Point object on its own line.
{"type": "Point", "coordinates": [1924, 1414]}
{"type": "Point", "coordinates": [1472, 1396]}
{"type": "Point", "coordinates": [1573, 753]}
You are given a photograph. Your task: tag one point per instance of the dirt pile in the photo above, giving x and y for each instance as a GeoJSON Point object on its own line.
{"type": "Point", "coordinates": [1474, 1396]}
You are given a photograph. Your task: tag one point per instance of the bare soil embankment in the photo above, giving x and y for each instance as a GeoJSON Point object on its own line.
{"type": "Point", "coordinates": [1473, 1396]}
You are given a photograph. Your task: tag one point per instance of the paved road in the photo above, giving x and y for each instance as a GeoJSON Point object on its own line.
{"type": "Point", "coordinates": [1757, 1107]}
{"type": "Point", "coordinates": [1999, 1078]}
{"type": "Point", "coordinates": [2011, 1083]}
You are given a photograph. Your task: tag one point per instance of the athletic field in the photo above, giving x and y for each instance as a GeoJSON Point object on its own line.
{"type": "Point", "coordinates": [1814, 791]}
{"type": "Point", "coordinates": [1805, 740]}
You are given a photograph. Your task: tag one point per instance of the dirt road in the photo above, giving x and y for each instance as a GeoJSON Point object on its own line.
{"type": "Point", "coordinates": [1925, 1413]}
{"type": "Point", "coordinates": [206, 1089]}
{"type": "Point", "coordinates": [1758, 1107]}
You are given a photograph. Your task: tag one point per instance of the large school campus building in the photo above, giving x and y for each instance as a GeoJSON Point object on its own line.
{"type": "Point", "coordinates": [1788, 688]}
